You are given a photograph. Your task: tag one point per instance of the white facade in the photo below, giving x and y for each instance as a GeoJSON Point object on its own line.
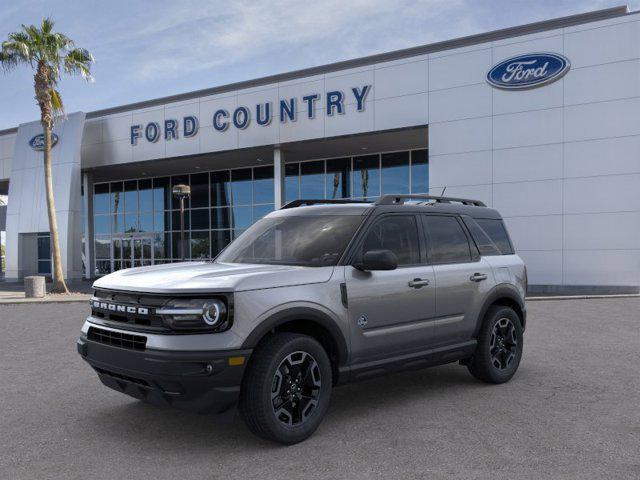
{"type": "Point", "coordinates": [561, 162]}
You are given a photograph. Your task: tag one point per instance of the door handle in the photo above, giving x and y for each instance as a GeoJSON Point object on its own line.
{"type": "Point", "coordinates": [418, 282]}
{"type": "Point", "coordinates": [478, 277]}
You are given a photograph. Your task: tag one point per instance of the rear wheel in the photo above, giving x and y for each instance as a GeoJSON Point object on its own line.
{"type": "Point", "coordinates": [499, 347]}
{"type": "Point", "coordinates": [286, 389]}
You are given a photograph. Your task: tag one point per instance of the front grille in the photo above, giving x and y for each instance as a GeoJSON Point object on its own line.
{"type": "Point", "coordinates": [137, 320]}
{"type": "Point", "coordinates": [117, 339]}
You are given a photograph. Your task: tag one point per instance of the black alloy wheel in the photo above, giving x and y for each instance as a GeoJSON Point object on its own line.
{"type": "Point", "coordinates": [504, 343]}
{"type": "Point", "coordinates": [286, 388]}
{"type": "Point", "coordinates": [500, 346]}
{"type": "Point", "coordinates": [296, 388]}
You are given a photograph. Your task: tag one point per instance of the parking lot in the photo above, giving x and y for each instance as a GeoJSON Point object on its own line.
{"type": "Point", "coordinates": [572, 411]}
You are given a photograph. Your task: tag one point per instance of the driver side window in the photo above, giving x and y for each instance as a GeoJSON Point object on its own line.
{"type": "Point", "coordinates": [396, 233]}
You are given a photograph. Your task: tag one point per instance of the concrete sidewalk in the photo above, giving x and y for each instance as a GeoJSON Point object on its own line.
{"type": "Point", "coordinates": [13, 293]}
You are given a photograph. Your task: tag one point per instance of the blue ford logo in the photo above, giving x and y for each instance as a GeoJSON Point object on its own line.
{"type": "Point", "coordinates": [528, 71]}
{"type": "Point", "coordinates": [37, 142]}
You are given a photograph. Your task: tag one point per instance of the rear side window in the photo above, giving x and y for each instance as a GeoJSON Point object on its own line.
{"type": "Point", "coordinates": [497, 233]}
{"type": "Point", "coordinates": [484, 243]}
{"type": "Point", "coordinates": [446, 240]}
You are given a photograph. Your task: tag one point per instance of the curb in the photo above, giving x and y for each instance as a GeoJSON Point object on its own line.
{"type": "Point", "coordinates": [581, 297]}
{"type": "Point", "coordinates": [23, 301]}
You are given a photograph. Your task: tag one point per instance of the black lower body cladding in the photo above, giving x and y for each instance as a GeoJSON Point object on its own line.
{"type": "Point", "coordinates": [202, 382]}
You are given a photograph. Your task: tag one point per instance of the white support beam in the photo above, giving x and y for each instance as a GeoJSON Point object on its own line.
{"type": "Point", "coordinates": [87, 205]}
{"type": "Point", "coordinates": [278, 177]}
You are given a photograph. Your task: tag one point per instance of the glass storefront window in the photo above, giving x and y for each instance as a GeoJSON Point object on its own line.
{"type": "Point", "coordinates": [312, 179]}
{"type": "Point", "coordinates": [420, 171]}
{"type": "Point", "coordinates": [131, 196]}
{"type": "Point", "coordinates": [44, 253]}
{"type": "Point", "coordinates": [338, 178]}
{"type": "Point", "coordinates": [161, 194]}
{"type": "Point", "coordinates": [260, 211]}
{"type": "Point", "coordinates": [395, 172]}
{"type": "Point", "coordinates": [178, 180]}
{"type": "Point", "coordinates": [145, 222]}
{"type": "Point", "coordinates": [200, 245]}
{"type": "Point", "coordinates": [101, 198]}
{"type": "Point", "coordinates": [241, 186]}
{"type": "Point", "coordinates": [103, 247]}
{"type": "Point", "coordinates": [220, 218]}
{"type": "Point", "coordinates": [291, 182]}
{"type": "Point", "coordinates": [225, 203]}
{"type": "Point", "coordinates": [220, 189]}
{"type": "Point", "coordinates": [131, 222]}
{"type": "Point", "coordinates": [145, 195]}
{"type": "Point", "coordinates": [102, 224]}
{"type": "Point", "coordinates": [175, 220]}
{"type": "Point", "coordinates": [241, 217]}
{"type": "Point", "coordinates": [366, 177]}
{"type": "Point", "coordinates": [263, 185]}
{"type": "Point", "coordinates": [199, 219]}
{"type": "Point", "coordinates": [219, 240]}
{"type": "Point", "coordinates": [117, 190]}
{"type": "Point", "coordinates": [200, 190]}
{"type": "Point", "coordinates": [117, 223]}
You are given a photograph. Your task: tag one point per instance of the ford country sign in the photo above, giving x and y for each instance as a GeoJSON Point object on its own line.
{"type": "Point", "coordinates": [528, 71]}
{"type": "Point", "coordinates": [37, 142]}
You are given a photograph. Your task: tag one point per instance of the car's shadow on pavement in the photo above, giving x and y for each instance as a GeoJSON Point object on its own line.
{"type": "Point", "coordinates": [139, 423]}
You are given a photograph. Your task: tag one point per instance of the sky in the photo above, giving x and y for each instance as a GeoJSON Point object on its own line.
{"type": "Point", "coordinates": [149, 49]}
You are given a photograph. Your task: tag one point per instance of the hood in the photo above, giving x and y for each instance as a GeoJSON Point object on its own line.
{"type": "Point", "coordinates": [190, 277]}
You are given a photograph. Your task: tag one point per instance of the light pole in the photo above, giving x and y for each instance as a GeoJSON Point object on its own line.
{"type": "Point", "coordinates": [181, 192]}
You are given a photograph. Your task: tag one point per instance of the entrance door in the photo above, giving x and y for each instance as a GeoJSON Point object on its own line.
{"type": "Point", "coordinates": [131, 251]}
{"type": "Point", "coordinates": [142, 252]}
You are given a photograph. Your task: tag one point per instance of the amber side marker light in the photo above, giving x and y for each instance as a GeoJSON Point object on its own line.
{"type": "Point", "coordinates": [236, 361]}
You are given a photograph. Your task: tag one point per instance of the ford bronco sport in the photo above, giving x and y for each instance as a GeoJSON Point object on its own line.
{"type": "Point", "coordinates": [314, 295]}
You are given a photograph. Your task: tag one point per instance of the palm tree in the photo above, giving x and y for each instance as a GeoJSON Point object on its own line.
{"type": "Point", "coordinates": [48, 54]}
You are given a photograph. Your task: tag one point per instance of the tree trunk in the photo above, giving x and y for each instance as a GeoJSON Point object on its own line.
{"type": "Point", "coordinates": [42, 85]}
{"type": "Point", "coordinates": [59, 285]}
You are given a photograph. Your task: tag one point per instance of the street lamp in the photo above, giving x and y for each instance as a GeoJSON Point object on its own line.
{"type": "Point", "coordinates": [181, 192]}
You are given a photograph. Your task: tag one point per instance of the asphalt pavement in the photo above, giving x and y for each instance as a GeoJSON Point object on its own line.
{"type": "Point", "coordinates": [571, 412]}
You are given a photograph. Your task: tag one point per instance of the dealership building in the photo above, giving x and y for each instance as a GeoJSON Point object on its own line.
{"type": "Point", "coordinates": [540, 121]}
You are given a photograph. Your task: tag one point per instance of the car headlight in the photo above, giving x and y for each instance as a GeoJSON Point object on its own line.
{"type": "Point", "coordinates": [195, 314]}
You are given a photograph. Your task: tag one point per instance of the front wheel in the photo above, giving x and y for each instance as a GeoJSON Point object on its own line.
{"type": "Point", "coordinates": [286, 389]}
{"type": "Point", "coordinates": [499, 347]}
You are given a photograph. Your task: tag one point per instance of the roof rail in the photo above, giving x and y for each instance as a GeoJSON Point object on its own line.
{"type": "Point", "coordinates": [400, 199]}
{"type": "Point", "coordinates": [301, 202]}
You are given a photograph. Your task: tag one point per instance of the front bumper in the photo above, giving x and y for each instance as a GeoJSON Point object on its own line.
{"type": "Point", "coordinates": [202, 382]}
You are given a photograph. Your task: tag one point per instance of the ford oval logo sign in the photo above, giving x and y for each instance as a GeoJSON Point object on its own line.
{"type": "Point", "coordinates": [37, 142]}
{"type": "Point", "coordinates": [528, 71]}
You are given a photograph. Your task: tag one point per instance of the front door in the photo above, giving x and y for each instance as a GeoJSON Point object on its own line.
{"type": "Point", "coordinates": [391, 312]}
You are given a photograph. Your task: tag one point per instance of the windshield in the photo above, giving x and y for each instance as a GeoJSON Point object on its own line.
{"type": "Point", "coordinates": [310, 241]}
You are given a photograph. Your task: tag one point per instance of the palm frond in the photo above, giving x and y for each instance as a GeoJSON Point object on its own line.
{"type": "Point", "coordinates": [78, 62]}
{"type": "Point", "coordinates": [56, 101]}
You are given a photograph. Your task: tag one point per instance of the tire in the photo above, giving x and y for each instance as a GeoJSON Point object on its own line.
{"type": "Point", "coordinates": [500, 344]}
{"type": "Point", "coordinates": [297, 405]}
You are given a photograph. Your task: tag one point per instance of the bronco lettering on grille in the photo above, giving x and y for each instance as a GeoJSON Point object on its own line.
{"type": "Point", "coordinates": [113, 307]}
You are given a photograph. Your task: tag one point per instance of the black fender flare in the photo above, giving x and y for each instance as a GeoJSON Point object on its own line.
{"type": "Point", "coordinates": [300, 313]}
{"type": "Point", "coordinates": [502, 291]}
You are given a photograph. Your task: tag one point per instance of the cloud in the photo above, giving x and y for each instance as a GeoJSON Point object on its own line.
{"type": "Point", "coordinates": [195, 38]}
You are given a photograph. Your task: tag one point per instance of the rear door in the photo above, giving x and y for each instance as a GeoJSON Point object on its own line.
{"type": "Point", "coordinates": [462, 278]}
{"type": "Point", "coordinates": [390, 312]}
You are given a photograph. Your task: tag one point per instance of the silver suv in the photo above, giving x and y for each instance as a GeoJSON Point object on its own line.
{"type": "Point", "coordinates": [314, 295]}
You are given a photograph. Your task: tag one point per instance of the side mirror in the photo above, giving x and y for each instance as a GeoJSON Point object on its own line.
{"type": "Point", "coordinates": [378, 260]}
